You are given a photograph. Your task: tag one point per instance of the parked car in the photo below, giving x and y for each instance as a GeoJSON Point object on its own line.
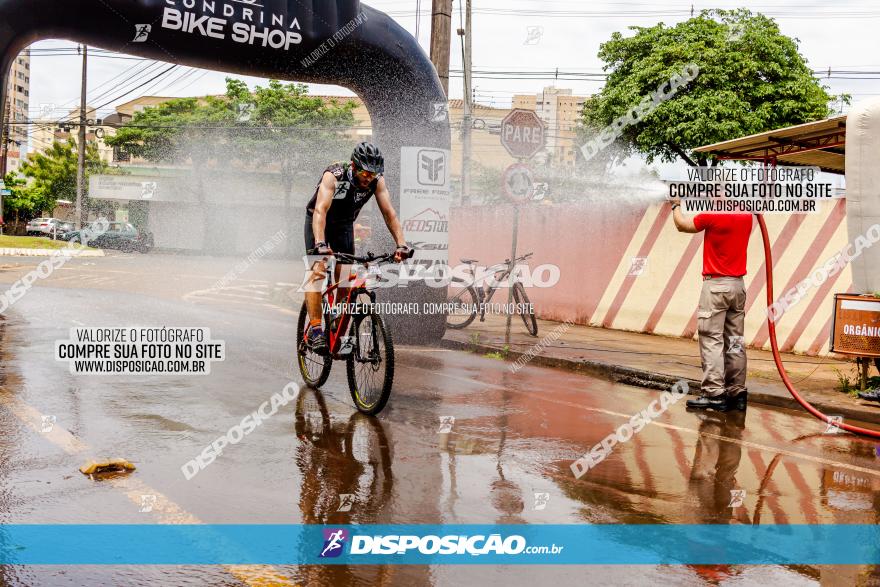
{"type": "Point", "coordinates": [41, 226]}
{"type": "Point", "coordinates": [121, 236]}
{"type": "Point", "coordinates": [64, 228]}
{"type": "Point", "coordinates": [51, 227]}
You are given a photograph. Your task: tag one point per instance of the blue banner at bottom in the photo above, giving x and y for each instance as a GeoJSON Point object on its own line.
{"type": "Point", "coordinates": [438, 544]}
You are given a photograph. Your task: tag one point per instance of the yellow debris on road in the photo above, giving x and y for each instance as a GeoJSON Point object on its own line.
{"type": "Point", "coordinates": [93, 467]}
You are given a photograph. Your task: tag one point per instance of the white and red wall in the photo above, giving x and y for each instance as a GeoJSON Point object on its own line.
{"type": "Point", "coordinates": [594, 244]}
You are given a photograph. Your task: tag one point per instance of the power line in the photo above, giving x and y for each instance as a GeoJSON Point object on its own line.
{"type": "Point", "coordinates": [126, 81]}
{"type": "Point", "coordinates": [149, 81]}
{"type": "Point", "coordinates": [684, 11]}
{"type": "Point", "coordinates": [158, 88]}
{"type": "Point", "coordinates": [196, 80]}
{"type": "Point", "coordinates": [118, 86]}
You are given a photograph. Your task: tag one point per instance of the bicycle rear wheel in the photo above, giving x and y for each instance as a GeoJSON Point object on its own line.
{"type": "Point", "coordinates": [314, 368]}
{"type": "Point", "coordinates": [527, 314]}
{"type": "Point", "coordinates": [465, 298]}
{"type": "Point", "coordinates": [370, 366]}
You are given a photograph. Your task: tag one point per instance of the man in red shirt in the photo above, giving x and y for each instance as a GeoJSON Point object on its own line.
{"type": "Point", "coordinates": [721, 317]}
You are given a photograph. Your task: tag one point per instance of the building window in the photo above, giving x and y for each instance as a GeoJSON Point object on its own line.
{"type": "Point", "coordinates": [120, 155]}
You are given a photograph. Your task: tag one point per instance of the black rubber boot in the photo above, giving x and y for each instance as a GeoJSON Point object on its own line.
{"type": "Point", "coordinates": [719, 403]}
{"type": "Point", "coordinates": [740, 402]}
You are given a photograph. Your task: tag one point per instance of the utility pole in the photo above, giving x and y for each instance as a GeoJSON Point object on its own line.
{"type": "Point", "coordinates": [4, 136]}
{"type": "Point", "coordinates": [441, 39]}
{"type": "Point", "coordinates": [4, 153]}
{"type": "Point", "coordinates": [81, 146]}
{"type": "Point", "coordinates": [467, 119]}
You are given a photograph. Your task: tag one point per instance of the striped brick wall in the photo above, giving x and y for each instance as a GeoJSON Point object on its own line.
{"type": "Point", "coordinates": [594, 245]}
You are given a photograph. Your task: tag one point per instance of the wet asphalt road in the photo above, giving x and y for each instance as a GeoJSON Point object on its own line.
{"type": "Point", "coordinates": [515, 436]}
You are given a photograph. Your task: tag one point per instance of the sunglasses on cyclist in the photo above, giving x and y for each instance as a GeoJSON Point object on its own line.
{"type": "Point", "coordinates": [363, 173]}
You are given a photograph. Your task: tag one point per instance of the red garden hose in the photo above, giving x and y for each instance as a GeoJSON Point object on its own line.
{"type": "Point", "coordinates": [775, 346]}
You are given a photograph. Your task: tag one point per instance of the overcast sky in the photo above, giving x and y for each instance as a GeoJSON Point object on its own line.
{"type": "Point", "coordinates": [514, 35]}
{"type": "Point", "coordinates": [840, 35]}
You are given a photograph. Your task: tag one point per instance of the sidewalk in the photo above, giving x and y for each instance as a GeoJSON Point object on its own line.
{"type": "Point", "coordinates": [64, 252]}
{"type": "Point", "coordinates": [657, 362]}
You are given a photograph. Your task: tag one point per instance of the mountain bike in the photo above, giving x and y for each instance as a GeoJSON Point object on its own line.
{"type": "Point", "coordinates": [471, 300]}
{"type": "Point", "coordinates": [355, 333]}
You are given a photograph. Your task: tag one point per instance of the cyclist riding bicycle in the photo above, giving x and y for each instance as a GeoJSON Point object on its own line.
{"type": "Point", "coordinates": [330, 216]}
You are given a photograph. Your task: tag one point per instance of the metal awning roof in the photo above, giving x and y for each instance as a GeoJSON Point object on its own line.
{"type": "Point", "coordinates": [820, 144]}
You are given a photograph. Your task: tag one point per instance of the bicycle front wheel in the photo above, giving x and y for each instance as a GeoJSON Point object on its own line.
{"type": "Point", "coordinates": [314, 368]}
{"type": "Point", "coordinates": [525, 309]}
{"type": "Point", "coordinates": [370, 366]}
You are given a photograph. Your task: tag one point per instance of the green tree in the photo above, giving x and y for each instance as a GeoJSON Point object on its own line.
{"type": "Point", "coordinates": [183, 129]}
{"type": "Point", "coordinates": [298, 132]}
{"type": "Point", "coordinates": [278, 126]}
{"type": "Point", "coordinates": [751, 79]}
{"type": "Point", "coordinates": [22, 202]}
{"type": "Point", "coordinates": [50, 176]}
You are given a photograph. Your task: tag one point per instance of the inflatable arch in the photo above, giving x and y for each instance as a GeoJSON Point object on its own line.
{"type": "Point", "coordinates": [339, 42]}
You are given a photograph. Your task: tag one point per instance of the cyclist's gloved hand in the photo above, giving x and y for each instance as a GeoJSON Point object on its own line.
{"type": "Point", "coordinates": [401, 254]}
{"type": "Point", "coordinates": [323, 249]}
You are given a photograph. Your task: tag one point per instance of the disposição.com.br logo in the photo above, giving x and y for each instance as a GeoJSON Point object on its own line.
{"type": "Point", "coordinates": [335, 540]}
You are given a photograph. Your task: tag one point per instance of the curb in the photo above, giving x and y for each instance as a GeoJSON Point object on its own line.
{"type": "Point", "coordinates": [649, 380]}
{"type": "Point", "coordinates": [51, 252]}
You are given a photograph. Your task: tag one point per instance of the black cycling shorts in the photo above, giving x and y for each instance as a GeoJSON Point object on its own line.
{"type": "Point", "coordinates": [340, 237]}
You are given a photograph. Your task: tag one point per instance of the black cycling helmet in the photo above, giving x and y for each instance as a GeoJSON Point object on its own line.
{"type": "Point", "coordinates": [367, 156]}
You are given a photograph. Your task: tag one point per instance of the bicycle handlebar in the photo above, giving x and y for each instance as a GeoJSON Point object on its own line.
{"type": "Point", "coordinates": [370, 258]}
{"type": "Point", "coordinates": [525, 257]}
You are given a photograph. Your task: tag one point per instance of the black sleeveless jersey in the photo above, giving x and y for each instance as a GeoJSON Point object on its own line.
{"type": "Point", "coordinates": [348, 198]}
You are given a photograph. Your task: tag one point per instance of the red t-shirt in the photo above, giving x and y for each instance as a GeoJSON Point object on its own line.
{"type": "Point", "coordinates": [726, 243]}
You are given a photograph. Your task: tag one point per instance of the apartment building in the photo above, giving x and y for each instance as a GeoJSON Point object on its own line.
{"type": "Point", "coordinates": [18, 103]}
{"type": "Point", "coordinates": [561, 111]}
{"type": "Point", "coordinates": [62, 128]}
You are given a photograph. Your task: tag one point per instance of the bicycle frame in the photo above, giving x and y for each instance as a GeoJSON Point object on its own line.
{"type": "Point", "coordinates": [336, 336]}
{"type": "Point", "coordinates": [355, 286]}
{"type": "Point", "coordinates": [486, 291]}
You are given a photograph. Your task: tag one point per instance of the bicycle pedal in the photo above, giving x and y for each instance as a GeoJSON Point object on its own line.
{"type": "Point", "coordinates": [321, 350]}
{"type": "Point", "coordinates": [346, 347]}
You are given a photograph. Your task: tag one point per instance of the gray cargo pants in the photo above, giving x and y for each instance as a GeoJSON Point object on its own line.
{"type": "Point", "coordinates": [720, 323]}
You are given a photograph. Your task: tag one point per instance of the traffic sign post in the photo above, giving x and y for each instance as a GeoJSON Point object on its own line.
{"type": "Point", "coordinates": [518, 183]}
{"type": "Point", "coordinates": [510, 277]}
{"type": "Point", "coordinates": [3, 192]}
{"type": "Point", "coordinates": [522, 133]}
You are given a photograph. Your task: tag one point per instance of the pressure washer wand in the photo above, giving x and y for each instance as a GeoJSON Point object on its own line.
{"type": "Point", "coordinates": [768, 254]}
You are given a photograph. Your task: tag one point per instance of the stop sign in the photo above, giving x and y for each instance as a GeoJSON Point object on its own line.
{"type": "Point", "coordinates": [522, 133]}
